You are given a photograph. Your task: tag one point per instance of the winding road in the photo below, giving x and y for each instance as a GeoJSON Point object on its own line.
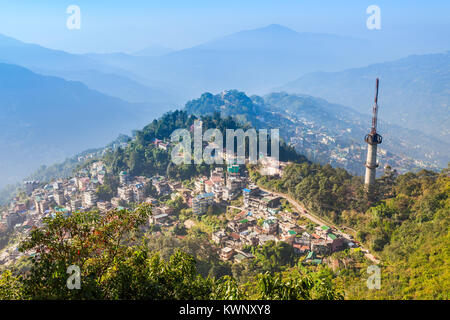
{"type": "Point", "coordinates": [301, 209]}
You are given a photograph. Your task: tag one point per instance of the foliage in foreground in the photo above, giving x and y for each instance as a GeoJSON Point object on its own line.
{"type": "Point", "coordinates": [114, 264]}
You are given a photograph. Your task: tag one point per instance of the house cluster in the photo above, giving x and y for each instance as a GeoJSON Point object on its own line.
{"type": "Point", "coordinates": [263, 220]}
{"type": "Point", "coordinates": [77, 194]}
{"type": "Point", "coordinates": [220, 186]}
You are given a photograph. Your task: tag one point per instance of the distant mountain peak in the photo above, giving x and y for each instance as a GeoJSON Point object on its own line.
{"type": "Point", "coordinates": [272, 28]}
{"type": "Point", "coordinates": [277, 27]}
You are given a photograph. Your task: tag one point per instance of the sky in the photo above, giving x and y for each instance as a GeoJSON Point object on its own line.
{"type": "Point", "coordinates": [127, 26]}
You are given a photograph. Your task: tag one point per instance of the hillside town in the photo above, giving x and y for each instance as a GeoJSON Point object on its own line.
{"type": "Point", "coordinates": [253, 216]}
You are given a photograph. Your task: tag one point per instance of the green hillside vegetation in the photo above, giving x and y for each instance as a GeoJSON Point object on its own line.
{"type": "Point", "coordinates": [411, 232]}
{"type": "Point", "coordinates": [141, 157]}
{"type": "Point", "coordinates": [406, 224]}
{"type": "Point", "coordinates": [115, 264]}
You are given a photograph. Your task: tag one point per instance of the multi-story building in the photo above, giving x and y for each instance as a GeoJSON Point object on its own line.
{"type": "Point", "coordinates": [103, 206]}
{"type": "Point", "coordinates": [161, 185]}
{"type": "Point", "coordinates": [75, 204]}
{"type": "Point", "coordinates": [248, 193]}
{"type": "Point", "coordinates": [219, 237]}
{"type": "Point", "coordinates": [216, 173]}
{"type": "Point", "coordinates": [90, 198]}
{"type": "Point", "coordinates": [138, 192]}
{"type": "Point", "coordinates": [209, 186]}
{"type": "Point", "coordinates": [41, 205]}
{"type": "Point", "coordinates": [115, 201]}
{"type": "Point", "coordinates": [125, 193]}
{"type": "Point", "coordinates": [201, 203]}
{"type": "Point", "coordinates": [226, 253]}
{"type": "Point", "coordinates": [124, 177]}
{"type": "Point", "coordinates": [59, 198]}
{"type": "Point", "coordinates": [30, 186]}
{"type": "Point", "coordinates": [200, 185]}
{"type": "Point", "coordinates": [270, 226]}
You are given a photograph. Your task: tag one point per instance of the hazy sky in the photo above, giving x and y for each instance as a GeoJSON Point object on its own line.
{"type": "Point", "coordinates": [108, 26]}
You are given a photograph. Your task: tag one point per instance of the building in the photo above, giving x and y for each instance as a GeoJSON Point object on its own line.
{"type": "Point", "coordinates": [226, 253]}
{"type": "Point", "coordinates": [202, 202]}
{"type": "Point", "coordinates": [217, 173]}
{"type": "Point", "coordinates": [12, 219]}
{"type": "Point", "coordinates": [248, 193]}
{"type": "Point", "coordinates": [250, 238]}
{"type": "Point", "coordinates": [217, 190]}
{"type": "Point", "coordinates": [209, 186]}
{"type": "Point", "coordinates": [200, 185]}
{"type": "Point", "coordinates": [239, 225]}
{"type": "Point", "coordinates": [162, 187]}
{"type": "Point", "coordinates": [270, 202]}
{"type": "Point", "coordinates": [30, 186]}
{"type": "Point", "coordinates": [124, 177]}
{"type": "Point", "coordinates": [167, 210]}
{"type": "Point", "coordinates": [270, 226]}
{"type": "Point", "coordinates": [82, 183]}
{"type": "Point", "coordinates": [159, 218]}
{"type": "Point", "coordinates": [233, 170]}
{"type": "Point", "coordinates": [125, 193]}
{"type": "Point", "coordinates": [219, 237]}
{"type": "Point", "coordinates": [320, 246]}
{"type": "Point", "coordinates": [338, 244]}
{"type": "Point", "coordinates": [90, 198]}
{"type": "Point", "coordinates": [103, 206]}
{"type": "Point", "coordinates": [75, 204]}
{"type": "Point", "coordinates": [138, 192]}
{"type": "Point", "coordinates": [41, 205]}
{"type": "Point", "coordinates": [58, 196]}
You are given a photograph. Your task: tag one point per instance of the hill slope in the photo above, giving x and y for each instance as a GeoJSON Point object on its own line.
{"type": "Point", "coordinates": [325, 132]}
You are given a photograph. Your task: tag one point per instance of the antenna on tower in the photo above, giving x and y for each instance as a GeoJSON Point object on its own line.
{"type": "Point", "coordinates": [375, 110]}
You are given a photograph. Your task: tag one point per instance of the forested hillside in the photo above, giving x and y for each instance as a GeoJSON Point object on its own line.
{"type": "Point", "coordinates": [406, 223]}
{"type": "Point", "coordinates": [325, 132]}
{"type": "Point", "coordinates": [142, 157]}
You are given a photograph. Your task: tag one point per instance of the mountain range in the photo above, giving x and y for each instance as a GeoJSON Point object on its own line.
{"type": "Point", "coordinates": [44, 119]}
{"type": "Point", "coordinates": [414, 91]}
{"type": "Point", "coordinates": [252, 60]}
{"type": "Point", "coordinates": [86, 68]}
{"type": "Point", "coordinates": [56, 103]}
